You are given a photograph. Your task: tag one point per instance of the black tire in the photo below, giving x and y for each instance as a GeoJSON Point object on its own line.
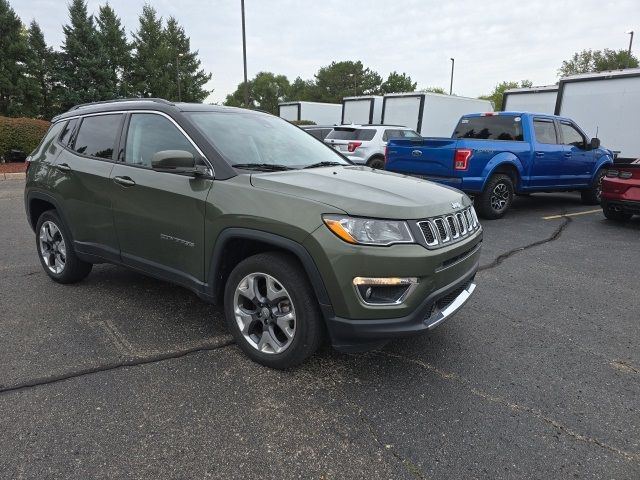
{"type": "Point", "coordinates": [376, 163]}
{"type": "Point", "coordinates": [615, 216]}
{"type": "Point", "coordinates": [593, 194]}
{"type": "Point", "coordinates": [496, 198]}
{"type": "Point", "coordinates": [308, 325]}
{"type": "Point", "coordinates": [72, 269]}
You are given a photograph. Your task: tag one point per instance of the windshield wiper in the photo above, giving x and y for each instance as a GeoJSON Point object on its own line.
{"type": "Point", "coordinates": [267, 167]}
{"type": "Point", "coordinates": [325, 164]}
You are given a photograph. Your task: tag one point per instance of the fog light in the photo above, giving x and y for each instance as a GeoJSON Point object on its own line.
{"type": "Point", "coordinates": [384, 290]}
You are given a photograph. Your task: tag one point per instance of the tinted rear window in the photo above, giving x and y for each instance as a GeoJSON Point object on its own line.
{"type": "Point", "coordinates": [97, 135]}
{"type": "Point", "coordinates": [494, 127]}
{"type": "Point", "coordinates": [364, 134]}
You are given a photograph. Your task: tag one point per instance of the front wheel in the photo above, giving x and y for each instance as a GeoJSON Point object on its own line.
{"type": "Point", "coordinates": [272, 311]}
{"type": "Point", "coordinates": [496, 198]}
{"type": "Point", "coordinates": [593, 194]}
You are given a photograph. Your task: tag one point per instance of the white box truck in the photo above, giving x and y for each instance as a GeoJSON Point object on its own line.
{"type": "Point", "coordinates": [605, 105]}
{"type": "Point", "coordinates": [534, 99]}
{"type": "Point", "coordinates": [363, 110]}
{"type": "Point", "coordinates": [430, 114]}
{"type": "Point", "coordinates": [319, 113]}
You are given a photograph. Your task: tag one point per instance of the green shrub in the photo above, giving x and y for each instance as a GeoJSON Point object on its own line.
{"type": "Point", "coordinates": [303, 122]}
{"type": "Point", "coordinates": [21, 134]}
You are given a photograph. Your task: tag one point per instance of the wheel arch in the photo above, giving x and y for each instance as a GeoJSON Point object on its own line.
{"type": "Point", "coordinates": [506, 163]}
{"type": "Point", "coordinates": [234, 244]}
{"type": "Point", "coordinates": [37, 203]}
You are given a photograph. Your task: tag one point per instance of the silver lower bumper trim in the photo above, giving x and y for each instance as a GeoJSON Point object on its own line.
{"type": "Point", "coordinates": [440, 316]}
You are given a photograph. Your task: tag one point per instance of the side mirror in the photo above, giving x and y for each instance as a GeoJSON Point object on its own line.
{"type": "Point", "coordinates": [174, 161]}
{"type": "Point", "coordinates": [594, 143]}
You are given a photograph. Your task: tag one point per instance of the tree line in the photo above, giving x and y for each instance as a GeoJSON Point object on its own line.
{"type": "Point", "coordinates": [97, 61]}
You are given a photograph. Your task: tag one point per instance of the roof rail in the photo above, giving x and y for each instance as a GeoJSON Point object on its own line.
{"type": "Point", "coordinates": [118, 100]}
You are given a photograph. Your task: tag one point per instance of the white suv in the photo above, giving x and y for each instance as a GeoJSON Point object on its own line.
{"type": "Point", "coordinates": [365, 144]}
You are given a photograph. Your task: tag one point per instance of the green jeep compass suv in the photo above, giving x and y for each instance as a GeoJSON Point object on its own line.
{"type": "Point", "coordinates": [242, 207]}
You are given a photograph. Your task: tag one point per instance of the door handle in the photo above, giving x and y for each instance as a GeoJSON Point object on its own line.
{"type": "Point", "coordinates": [63, 167]}
{"type": "Point", "coordinates": [416, 153]}
{"type": "Point", "coordinates": [124, 181]}
{"type": "Point", "coordinates": [539, 154]}
{"type": "Point", "coordinates": [567, 154]}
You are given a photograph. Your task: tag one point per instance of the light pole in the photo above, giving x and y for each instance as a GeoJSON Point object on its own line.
{"type": "Point", "coordinates": [178, 56]}
{"type": "Point", "coordinates": [453, 62]}
{"type": "Point", "coordinates": [244, 58]}
{"type": "Point", "coordinates": [355, 84]}
{"type": "Point", "coordinates": [630, 33]}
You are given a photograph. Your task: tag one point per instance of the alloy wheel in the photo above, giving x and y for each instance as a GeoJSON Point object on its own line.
{"type": "Point", "coordinates": [264, 313]}
{"type": "Point", "coordinates": [52, 247]}
{"type": "Point", "coordinates": [500, 197]}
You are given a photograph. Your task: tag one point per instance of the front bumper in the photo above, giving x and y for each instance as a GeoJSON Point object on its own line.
{"type": "Point", "coordinates": [361, 335]}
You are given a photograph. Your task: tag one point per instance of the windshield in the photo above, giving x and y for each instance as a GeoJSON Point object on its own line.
{"type": "Point", "coordinates": [246, 139]}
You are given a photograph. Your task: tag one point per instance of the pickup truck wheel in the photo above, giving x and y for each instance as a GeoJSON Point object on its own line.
{"type": "Point", "coordinates": [593, 194]}
{"type": "Point", "coordinates": [376, 163]}
{"type": "Point", "coordinates": [55, 249]}
{"type": "Point", "coordinates": [496, 198]}
{"type": "Point", "coordinates": [272, 311]}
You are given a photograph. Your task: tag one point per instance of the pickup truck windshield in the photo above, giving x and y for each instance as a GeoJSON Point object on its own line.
{"type": "Point", "coordinates": [254, 139]}
{"type": "Point", "coordinates": [494, 127]}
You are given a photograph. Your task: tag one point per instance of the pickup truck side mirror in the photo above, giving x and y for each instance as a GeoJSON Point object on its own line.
{"type": "Point", "coordinates": [176, 161]}
{"type": "Point", "coordinates": [594, 143]}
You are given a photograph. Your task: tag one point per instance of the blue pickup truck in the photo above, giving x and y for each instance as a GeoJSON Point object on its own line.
{"type": "Point", "coordinates": [493, 156]}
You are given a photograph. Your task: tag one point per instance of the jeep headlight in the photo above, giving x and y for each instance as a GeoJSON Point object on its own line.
{"type": "Point", "coordinates": [368, 231]}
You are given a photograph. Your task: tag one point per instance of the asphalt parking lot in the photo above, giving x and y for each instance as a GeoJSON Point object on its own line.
{"type": "Point", "coordinates": [123, 376]}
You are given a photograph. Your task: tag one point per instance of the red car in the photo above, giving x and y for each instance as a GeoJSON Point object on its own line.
{"type": "Point", "coordinates": [621, 191]}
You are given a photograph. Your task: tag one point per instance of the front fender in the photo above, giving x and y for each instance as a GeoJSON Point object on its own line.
{"type": "Point", "coordinates": [601, 162]}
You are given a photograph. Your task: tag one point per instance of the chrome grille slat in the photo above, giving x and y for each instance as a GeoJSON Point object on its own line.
{"type": "Point", "coordinates": [450, 228]}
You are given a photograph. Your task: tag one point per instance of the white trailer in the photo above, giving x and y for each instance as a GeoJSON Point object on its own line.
{"type": "Point", "coordinates": [534, 99]}
{"type": "Point", "coordinates": [430, 114]}
{"type": "Point", "coordinates": [319, 113]}
{"type": "Point", "coordinates": [363, 110]}
{"type": "Point", "coordinates": [605, 105]}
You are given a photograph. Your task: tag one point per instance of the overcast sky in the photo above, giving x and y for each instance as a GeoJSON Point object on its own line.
{"type": "Point", "coordinates": [491, 40]}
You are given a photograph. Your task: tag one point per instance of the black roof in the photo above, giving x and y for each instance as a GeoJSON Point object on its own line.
{"type": "Point", "coordinates": [158, 104]}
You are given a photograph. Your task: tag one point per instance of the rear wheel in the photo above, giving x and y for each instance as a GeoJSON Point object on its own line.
{"type": "Point", "coordinates": [55, 249]}
{"type": "Point", "coordinates": [614, 215]}
{"type": "Point", "coordinates": [593, 194]}
{"type": "Point", "coordinates": [376, 163]}
{"type": "Point", "coordinates": [272, 311]}
{"type": "Point", "coordinates": [496, 198]}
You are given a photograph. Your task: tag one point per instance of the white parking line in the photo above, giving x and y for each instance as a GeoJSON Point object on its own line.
{"type": "Point", "coordinates": [553, 217]}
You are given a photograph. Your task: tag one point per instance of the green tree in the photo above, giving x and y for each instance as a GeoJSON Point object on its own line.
{"type": "Point", "coordinates": [41, 65]}
{"type": "Point", "coordinates": [117, 50]}
{"type": "Point", "coordinates": [588, 61]}
{"type": "Point", "coordinates": [345, 79]}
{"type": "Point", "coordinates": [184, 65]}
{"type": "Point", "coordinates": [149, 72]}
{"type": "Point", "coordinates": [434, 90]}
{"type": "Point", "coordinates": [498, 92]}
{"type": "Point", "coordinates": [84, 70]}
{"type": "Point", "coordinates": [398, 83]}
{"type": "Point", "coordinates": [14, 55]}
{"type": "Point", "coordinates": [301, 90]}
{"type": "Point", "coordinates": [266, 91]}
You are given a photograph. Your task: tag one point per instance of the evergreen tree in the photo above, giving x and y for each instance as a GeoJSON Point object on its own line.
{"type": "Point", "coordinates": [117, 50]}
{"type": "Point", "coordinates": [44, 103]}
{"type": "Point", "coordinates": [13, 62]}
{"type": "Point", "coordinates": [189, 79]}
{"type": "Point", "coordinates": [150, 72]}
{"type": "Point", "coordinates": [84, 70]}
{"type": "Point", "coordinates": [398, 83]}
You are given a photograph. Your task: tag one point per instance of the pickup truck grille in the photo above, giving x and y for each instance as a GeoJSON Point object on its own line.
{"type": "Point", "coordinates": [447, 229]}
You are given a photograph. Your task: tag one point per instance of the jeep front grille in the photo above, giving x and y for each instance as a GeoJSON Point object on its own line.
{"type": "Point", "coordinates": [447, 229]}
